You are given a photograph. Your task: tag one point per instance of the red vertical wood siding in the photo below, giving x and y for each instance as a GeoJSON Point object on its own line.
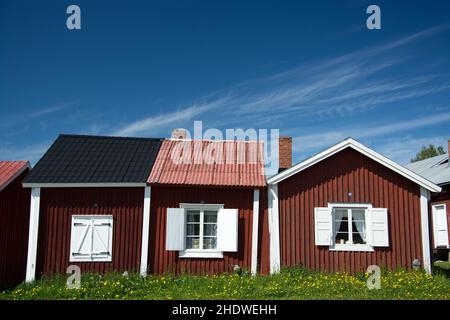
{"type": "Point", "coordinates": [441, 198]}
{"type": "Point", "coordinates": [331, 180]}
{"type": "Point", "coordinates": [263, 234]}
{"type": "Point", "coordinates": [162, 261]}
{"type": "Point", "coordinates": [14, 220]}
{"type": "Point", "coordinates": [56, 210]}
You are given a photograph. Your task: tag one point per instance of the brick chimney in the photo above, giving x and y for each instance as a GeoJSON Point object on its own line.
{"type": "Point", "coordinates": [179, 133]}
{"type": "Point", "coordinates": [284, 153]}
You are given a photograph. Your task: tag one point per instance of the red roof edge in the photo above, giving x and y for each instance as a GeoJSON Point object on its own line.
{"type": "Point", "coordinates": [10, 170]}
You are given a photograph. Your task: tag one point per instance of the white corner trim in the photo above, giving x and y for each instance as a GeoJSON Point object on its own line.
{"type": "Point", "coordinates": [145, 231]}
{"type": "Point", "coordinates": [85, 185]}
{"type": "Point", "coordinates": [33, 234]}
{"type": "Point", "coordinates": [255, 228]}
{"type": "Point", "coordinates": [362, 149]}
{"type": "Point", "coordinates": [274, 230]}
{"type": "Point", "coordinates": [424, 223]}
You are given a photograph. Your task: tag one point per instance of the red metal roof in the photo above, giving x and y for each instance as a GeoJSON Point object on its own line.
{"type": "Point", "coordinates": [9, 170]}
{"type": "Point", "coordinates": [209, 163]}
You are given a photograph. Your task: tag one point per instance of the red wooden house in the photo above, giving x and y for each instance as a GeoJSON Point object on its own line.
{"type": "Point", "coordinates": [89, 205]}
{"type": "Point", "coordinates": [206, 207]}
{"type": "Point", "coordinates": [14, 210]}
{"type": "Point", "coordinates": [346, 208]}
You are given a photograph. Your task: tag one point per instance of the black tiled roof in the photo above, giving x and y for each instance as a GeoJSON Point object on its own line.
{"type": "Point", "coordinates": [96, 159]}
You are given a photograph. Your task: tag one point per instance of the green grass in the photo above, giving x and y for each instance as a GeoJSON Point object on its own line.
{"type": "Point", "coordinates": [294, 283]}
{"type": "Point", "coordinates": [442, 264]}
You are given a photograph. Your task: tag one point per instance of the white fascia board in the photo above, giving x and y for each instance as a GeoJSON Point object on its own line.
{"type": "Point", "coordinates": [351, 143]}
{"type": "Point", "coordinates": [85, 185]}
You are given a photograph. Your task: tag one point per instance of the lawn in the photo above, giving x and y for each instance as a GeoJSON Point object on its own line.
{"type": "Point", "coordinates": [294, 283]}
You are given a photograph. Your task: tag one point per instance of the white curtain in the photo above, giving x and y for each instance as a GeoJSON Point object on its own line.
{"type": "Point", "coordinates": [360, 222]}
{"type": "Point", "coordinates": [338, 215]}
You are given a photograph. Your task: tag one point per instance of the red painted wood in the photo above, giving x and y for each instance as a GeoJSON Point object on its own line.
{"type": "Point", "coordinates": [14, 213]}
{"type": "Point", "coordinates": [162, 261]}
{"type": "Point", "coordinates": [56, 209]}
{"type": "Point", "coordinates": [330, 181]}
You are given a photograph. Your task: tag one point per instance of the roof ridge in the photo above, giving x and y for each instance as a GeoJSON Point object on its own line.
{"type": "Point", "coordinates": [215, 140]}
{"type": "Point", "coordinates": [109, 137]}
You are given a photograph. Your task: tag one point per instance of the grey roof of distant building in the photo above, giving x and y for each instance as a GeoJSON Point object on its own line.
{"type": "Point", "coordinates": [435, 169]}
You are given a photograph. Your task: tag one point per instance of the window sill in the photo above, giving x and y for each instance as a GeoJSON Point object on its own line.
{"type": "Point", "coordinates": [90, 259]}
{"type": "Point", "coordinates": [351, 247]}
{"type": "Point", "coordinates": [200, 254]}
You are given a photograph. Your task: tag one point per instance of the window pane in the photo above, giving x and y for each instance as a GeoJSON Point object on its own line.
{"type": "Point", "coordinates": [210, 216]}
{"type": "Point", "coordinates": [341, 226]}
{"type": "Point", "coordinates": [359, 226]}
{"type": "Point", "coordinates": [193, 243]}
{"type": "Point", "coordinates": [193, 229]}
{"type": "Point", "coordinates": [193, 216]}
{"type": "Point", "coordinates": [209, 243]}
{"type": "Point", "coordinates": [210, 229]}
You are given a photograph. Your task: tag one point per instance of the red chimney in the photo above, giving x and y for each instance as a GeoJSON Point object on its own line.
{"type": "Point", "coordinates": [179, 133]}
{"type": "Point", "coordinates": [284, 153]}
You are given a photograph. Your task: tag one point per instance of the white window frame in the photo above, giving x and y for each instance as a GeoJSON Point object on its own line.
{"type": "Point", "coordinates": [91, 258]}
{"type": "Point", "coordinates": [200, 253]}
{"type": "Point", "coordinates": [367, 207]}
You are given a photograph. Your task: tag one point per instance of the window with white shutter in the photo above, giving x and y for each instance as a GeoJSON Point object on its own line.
{"type": "Point", "coordinates": [351, 227]}
{"type": "Point", "coordinates": [440, 226]}
{"type": "Point", "coordinates": [91, 238]}
{"type": "Point", "coordinates": [201, 230]}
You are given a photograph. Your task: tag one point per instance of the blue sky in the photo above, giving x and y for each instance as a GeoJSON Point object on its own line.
{"type": "Point", "coordinates": [308, 68]}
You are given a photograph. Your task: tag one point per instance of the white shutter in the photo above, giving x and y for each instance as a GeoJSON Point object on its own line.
{"type": "Point", "coordinates": [175, 229]}
{"type": "Point", "coordinates": [323, 226]}
{"type": "Point", "coordinates": [91, 238]}
{"type": "Point", "coordinates": [227, 230]}
{"type": "Point", "coordinates": [102, 239]}
{"type": "Point", "coordinates": [81, 239]}
{"type": "Point", "coordinates": [378, 227]}
{"type": "Point", "coordinates": [440, 226]}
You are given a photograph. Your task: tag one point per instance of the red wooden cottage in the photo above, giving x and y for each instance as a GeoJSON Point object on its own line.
{"type": "Point", "coordinates": [89, 205]}
{"type": "Point", "coordinates": [437, 169]}
{"type": "Point", "coordinates": [206, 207]}
{"type": "Point", "coordinates": [346, 208]}
{"type": "Point", "coordinates": [14, 210]}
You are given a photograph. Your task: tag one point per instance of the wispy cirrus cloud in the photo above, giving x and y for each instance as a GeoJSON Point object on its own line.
{"type": "Point", "coordinates": [13, 120]}
{"type": "Point", "coordinates": [153, 124]}
{"type": "Point", "coordinates": [367, 130]}
{"type": "Point", "coordinates": [341, 86]}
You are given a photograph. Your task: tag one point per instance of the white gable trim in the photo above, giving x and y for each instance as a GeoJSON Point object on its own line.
{"type": "Point", "coordinates": [351, 143]}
